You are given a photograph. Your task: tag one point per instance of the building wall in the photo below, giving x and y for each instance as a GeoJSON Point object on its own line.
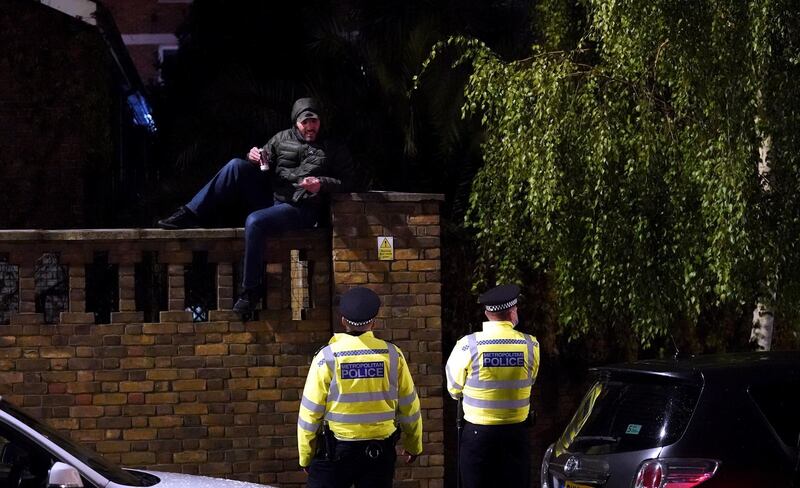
{"type": "Point", "coordinates": [146, 26]}
{"type": "Point", "coordinates": [55, 111]}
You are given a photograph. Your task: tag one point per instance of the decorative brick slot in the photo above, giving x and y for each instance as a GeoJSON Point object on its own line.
{"type": "Point", "coordinates": [149, 287]}
{"type": "Point", "coordinates": [102, 290]}
{"type": "Point", "coordinates": [9, 289]}
{"type": "Point", "coordinates": [201, 288]}
{"type": "Point", "coordinates": [50, 282]}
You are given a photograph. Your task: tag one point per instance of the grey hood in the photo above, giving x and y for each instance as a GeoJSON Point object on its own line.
{"type": "Point", "coordinates": [303, 104]}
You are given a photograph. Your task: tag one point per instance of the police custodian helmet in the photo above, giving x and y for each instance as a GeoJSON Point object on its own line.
{"type": "Point", "coordinates": [499, 298]}
{"type": "Point", "coordinates": [359, 306]}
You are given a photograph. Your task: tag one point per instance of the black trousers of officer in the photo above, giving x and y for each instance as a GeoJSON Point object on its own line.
{"type": "Point", "coordinates": [363, 464]}
{"type": "Point", "coordinates": [495, 455]}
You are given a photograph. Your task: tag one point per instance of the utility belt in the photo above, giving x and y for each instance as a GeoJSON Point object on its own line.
{"type": "Point", "coordinates": [373, 448]}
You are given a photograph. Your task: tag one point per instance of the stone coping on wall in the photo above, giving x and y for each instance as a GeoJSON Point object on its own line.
{"type": "Point", "coordinates": [388, 196]}
{"type": "Point", "coordinates": [118, 234]}
{"type": "Point", "coordinates": [135, 234]}
{"type": "Point", "coordinates": [198, 233]}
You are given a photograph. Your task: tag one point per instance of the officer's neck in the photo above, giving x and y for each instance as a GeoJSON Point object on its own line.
{"type": "Point", "coordinates": [356, 332]}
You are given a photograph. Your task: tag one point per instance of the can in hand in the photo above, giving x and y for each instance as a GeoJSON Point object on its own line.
{"type": "Point", "coordinates": [263, 160]}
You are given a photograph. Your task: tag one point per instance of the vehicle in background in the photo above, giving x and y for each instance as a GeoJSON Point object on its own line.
{"type": "Point", "coordinates": [33, 455]}
{"type": "Point", "coordinates": [727, 421]}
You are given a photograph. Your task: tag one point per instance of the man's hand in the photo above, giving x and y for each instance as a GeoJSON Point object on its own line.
{"type": "Point", "coordinates": [305, 469]}
{"type": "Point", "coordinates": [410, 458]}
{"type": "Point", "coordinates": [254, 156]}
{"type": "Point", "coordinates": [311, 183]}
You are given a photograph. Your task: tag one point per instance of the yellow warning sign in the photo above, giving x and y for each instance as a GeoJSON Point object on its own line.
{"type": "Point", "coordinates": [386, 248]}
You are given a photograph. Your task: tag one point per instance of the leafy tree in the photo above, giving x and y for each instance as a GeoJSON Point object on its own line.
{"type": "Point", "coordinates": [627, 166]}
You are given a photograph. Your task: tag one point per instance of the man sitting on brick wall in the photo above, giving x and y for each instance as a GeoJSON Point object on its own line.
{"type": "Point", "coordinates": [299, 164]}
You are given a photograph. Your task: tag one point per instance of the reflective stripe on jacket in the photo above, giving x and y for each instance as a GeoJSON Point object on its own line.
{"type": "Point", "coordinates": [362, 387]}
{"type": "Point", "coordinates": [493, 371]}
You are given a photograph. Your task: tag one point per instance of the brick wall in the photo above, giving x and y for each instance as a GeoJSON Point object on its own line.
{"type": "Point", "coordinates": [410, 291]}
{"type": "Point", "coordinates": [216, 398]}
{"type": "Point", "coordinates": [220, 398]}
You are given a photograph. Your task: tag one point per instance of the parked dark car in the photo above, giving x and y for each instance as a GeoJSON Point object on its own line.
{"type": "Point", "coordinates": [729, 421]}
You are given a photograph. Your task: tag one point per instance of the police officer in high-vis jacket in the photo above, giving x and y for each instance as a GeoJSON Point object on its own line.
{"type": "Point", "coordinates": [359, 398]}
{"type": "Point", "coordinates": [492, 372]}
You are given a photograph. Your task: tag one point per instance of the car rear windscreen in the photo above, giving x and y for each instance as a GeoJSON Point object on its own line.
{"type": "Point", "coordinates": [629, 413]}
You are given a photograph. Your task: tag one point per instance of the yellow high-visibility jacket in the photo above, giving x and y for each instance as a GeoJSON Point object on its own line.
{"type": "Point", "coordinates": [493, 370]}
{"type": "Point", "coordinates": [361, 386]}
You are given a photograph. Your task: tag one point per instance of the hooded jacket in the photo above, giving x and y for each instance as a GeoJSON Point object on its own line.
{"type": "Point", "coordinates": [293, 159]}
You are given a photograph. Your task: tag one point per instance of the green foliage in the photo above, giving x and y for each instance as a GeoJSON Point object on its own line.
{"type": "Point", "coordinates": [627, 167]}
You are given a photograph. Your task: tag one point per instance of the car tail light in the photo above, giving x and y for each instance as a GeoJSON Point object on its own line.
{"type": "Point", "coordinates": [674, 473]}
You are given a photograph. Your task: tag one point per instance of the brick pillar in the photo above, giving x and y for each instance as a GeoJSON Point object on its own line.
{"type": "Point", "coordinates": [75, 260]}
{"type": "Point", "coordinates": [127, 289]}
{"type": "Point", "coordinates": [300, 301]}
{"type": "Point", "coordinates": [27, 291]}
{"type": "Point", "coordinates": [177, 292]}
{"type": "Point", "coordinates": [77, 289]}
{"type": "Point", "coordinates": [177, 254]}
{"type": "Point", "coordinates": [224, 286]}
{"type": "Point", "coordinates": [127, 296]}
{"type": "Point", "coordinates": [176, 295]}
{"type": "Point", "coordinates": [76, 313]}
{"type": "Point", "coordinates": [409, 285]}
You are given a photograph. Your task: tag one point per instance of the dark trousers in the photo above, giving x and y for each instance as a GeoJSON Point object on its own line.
{"type": "Point", "coordinates": [237, 189]}
{"type": "Point", "coordinates": [242, 185]}
{"type": "Point", "coordinates": [352, 465]}
{"type": "Point", "coordinates": [494, 455]}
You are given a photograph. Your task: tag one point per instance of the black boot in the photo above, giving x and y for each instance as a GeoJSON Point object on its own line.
{"type": "Point", "coordinates": [183, 218]}
{"type": "Point", "coordinates": [248, 301]}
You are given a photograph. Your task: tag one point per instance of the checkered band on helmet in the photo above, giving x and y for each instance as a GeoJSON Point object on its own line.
{"type": "Point", "coordinates": [502, 306]}
{"type": "Point", "coordinates": [358, 324]}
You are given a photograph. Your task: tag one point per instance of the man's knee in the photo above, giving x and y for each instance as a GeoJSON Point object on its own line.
{"type": "Point", "coordinates": [265, 222]}
{"type": "Point", "coordinates": [253, 221]}
{"type": "Point", "coordinates": [238, 165]}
